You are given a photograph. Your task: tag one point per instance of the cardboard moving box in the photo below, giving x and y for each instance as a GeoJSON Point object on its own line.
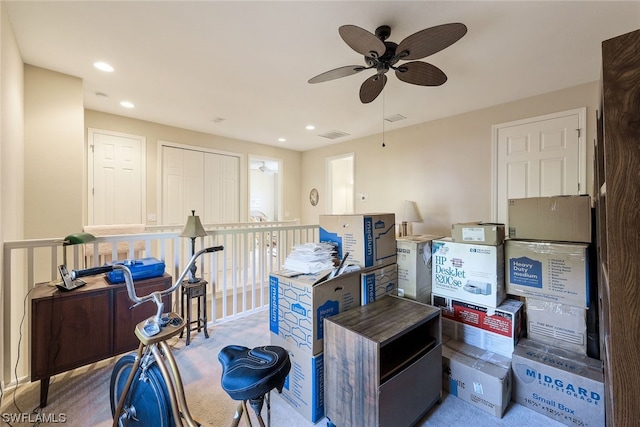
{"type": "Point", "coordinates": [560, 325]}
{"type": "Point", "coordinates": [298, 303]}
{"type": "Point", "coordinates": [477, 376]}
{"type": "Point", "coordinates": [560, 218]}
{"type": "Point", "coordinates": [560, 384]}
{"type": "Point", "coordinates": [479, 233]}
{"type": "Point", "coordinates": [370, 239]}
{"type": "Point", "coordinates": [377, 283]}
{"type": "Point", "coordinates": [304, 386]}
{"type": "Point", "coordinates": [495, 329]}
{"type": "Point", "coordinates": [548, 271]}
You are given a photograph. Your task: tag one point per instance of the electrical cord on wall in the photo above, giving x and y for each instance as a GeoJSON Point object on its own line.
{"type": "Point", "coordinates": [15, 369]}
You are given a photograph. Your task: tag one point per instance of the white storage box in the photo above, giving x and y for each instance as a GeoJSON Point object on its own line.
{"type": "Point", "coordinates": [560, 325]}
{"type": "Point", "coordinates": [414, 267]}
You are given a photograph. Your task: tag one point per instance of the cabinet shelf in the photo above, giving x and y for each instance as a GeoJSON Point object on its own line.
{"type": "Point", "coordinates": [383, 363]}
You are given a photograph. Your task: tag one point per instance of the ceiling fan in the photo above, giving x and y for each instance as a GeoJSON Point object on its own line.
{"type": "Point", "coordinates": [383, 56]}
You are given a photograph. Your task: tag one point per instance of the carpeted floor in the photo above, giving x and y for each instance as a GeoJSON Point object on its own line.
{"type": "Point", "coordinates": [81, 397]}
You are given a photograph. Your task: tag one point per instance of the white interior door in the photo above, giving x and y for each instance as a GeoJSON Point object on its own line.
{"type": "Point", "coordinates": [222, 188]}
{"type": "Point", "coordinates": [538, 157]}
{"type": "Point", "coordinates": [206, 182]}
{"type": "Point", "coordinates": [182, 183]}
{"type": "Point", "coordinates": [116, 178]}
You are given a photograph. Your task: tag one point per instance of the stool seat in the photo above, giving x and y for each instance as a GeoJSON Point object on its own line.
{"type": "Point", "coordinates": [251, 373]}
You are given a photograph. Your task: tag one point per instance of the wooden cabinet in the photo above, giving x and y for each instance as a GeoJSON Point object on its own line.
{"type": "Point", "coordinates": [383, 363]}
{"type": "Point", "coordinates": [88, 324]}
{"type": "Point", "coordinates": [617, 191]}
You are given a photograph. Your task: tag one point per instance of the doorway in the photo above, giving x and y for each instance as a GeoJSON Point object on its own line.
{"type": "Point", "coordinates": [265, 189]}
{"type": "Point", "coordinates": [340, 184]}
{"type": "Point", "coordinates": [116, 178]}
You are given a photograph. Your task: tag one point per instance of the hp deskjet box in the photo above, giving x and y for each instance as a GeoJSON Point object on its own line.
{"type": "Point", "coordinates": [369, 239]}
{"type": "Point", "coordinates": [473, 273]}
{"type": "Point", "coordinates": [141, 269]}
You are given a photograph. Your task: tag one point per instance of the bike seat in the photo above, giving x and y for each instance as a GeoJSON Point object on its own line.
{"type": "Point", "coordinates": [251, 373]}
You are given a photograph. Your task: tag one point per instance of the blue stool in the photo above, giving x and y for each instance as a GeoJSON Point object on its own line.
{"type": "Point", "coordinates": [251, 374]}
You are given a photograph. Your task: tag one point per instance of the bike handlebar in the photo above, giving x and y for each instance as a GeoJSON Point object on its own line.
{"type": "Point", "coordinates": [128, 278]}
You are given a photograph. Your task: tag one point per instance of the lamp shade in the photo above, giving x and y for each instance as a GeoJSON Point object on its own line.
{"type": "Point", "coordinates": [78, 238]}
{"type": "Point", "coordinates": [194, 227]}
{"type": "Point", "coordinates": [410, 212]}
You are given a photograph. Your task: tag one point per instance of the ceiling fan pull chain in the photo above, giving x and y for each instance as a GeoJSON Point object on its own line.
{"type": "Point", "coordinates": [383, 144]}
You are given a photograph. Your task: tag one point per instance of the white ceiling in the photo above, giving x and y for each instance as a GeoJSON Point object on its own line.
{"type": "Point", "coordinates": [186, 63]}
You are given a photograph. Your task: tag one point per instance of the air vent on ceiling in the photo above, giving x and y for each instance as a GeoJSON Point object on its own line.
{"type": "Point", "coordinates": [334, 134]}
{"type": "Point", "coordinates": [394, 117]}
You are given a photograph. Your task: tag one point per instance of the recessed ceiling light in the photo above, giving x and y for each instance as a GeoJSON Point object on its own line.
{"type": "Point", "coordinates": [282, 140]}
{"type": "Point", "coordinates": [310, 127]}
{"type": "Point", "coordinates": [103, 66]}
{"type": "Point", "coordinates": [127, 104]}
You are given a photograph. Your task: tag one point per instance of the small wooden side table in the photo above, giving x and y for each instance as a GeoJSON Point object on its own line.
{"type": "Point", "coordinates": [189, 291]}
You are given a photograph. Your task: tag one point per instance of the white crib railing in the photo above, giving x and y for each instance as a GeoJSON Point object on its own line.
{"type": "Point", "coordinates": [238, 276]}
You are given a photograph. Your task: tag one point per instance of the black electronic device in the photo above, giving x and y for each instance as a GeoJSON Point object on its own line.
{"type": "Point", "coordinates": [68, 284]}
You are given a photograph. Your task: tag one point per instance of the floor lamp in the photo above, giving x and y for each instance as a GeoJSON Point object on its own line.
{"type": "Point", "coordinates": [193, 229]}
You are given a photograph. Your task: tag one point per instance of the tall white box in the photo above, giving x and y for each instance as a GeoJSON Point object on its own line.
{"type": "Point", "coordinates": [370, 239]}
{"type": "Point", "coordinates": [414, 267]}
{"type": "Point", "coordinates": [473, 273]}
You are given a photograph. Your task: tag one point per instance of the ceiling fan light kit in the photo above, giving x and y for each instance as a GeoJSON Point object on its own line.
{"type": "Point", "coordinates": [383, 55]}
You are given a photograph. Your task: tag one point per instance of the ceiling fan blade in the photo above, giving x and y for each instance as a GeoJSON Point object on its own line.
{"type": "Point", "coordinates": [336, 73]}
{"type": "Point", "coordinates": [421, 73]}
{"type": "Point", "coordinates": [372, 87]}
{"type": "Point", "coordinates": [362, 41]}
{"type": "Point", "coordinates": [431, 40]}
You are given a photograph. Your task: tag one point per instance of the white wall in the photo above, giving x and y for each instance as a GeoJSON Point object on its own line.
{"type": "Point", "coordinates": [444, 165]}
{"type": "Point", "coordinates": [11, 161]}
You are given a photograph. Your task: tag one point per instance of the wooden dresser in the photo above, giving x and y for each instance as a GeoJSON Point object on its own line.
{"type": "Point", "coordinates": [617, 194]}
{"type": "Point", "coordinates": [88, 324]}
{"type": "Point", "coordinates": [383, 363]}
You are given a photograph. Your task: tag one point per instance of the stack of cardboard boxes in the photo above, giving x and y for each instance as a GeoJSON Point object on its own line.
{"type": "Point", "coordinates": [483, 325]}
{"type": "Point", "coordinates": [556, 372]}
{"type": "Point", "coordinates": [298, 303]}
{"type": "Point", "coordinates": [492, 290]}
